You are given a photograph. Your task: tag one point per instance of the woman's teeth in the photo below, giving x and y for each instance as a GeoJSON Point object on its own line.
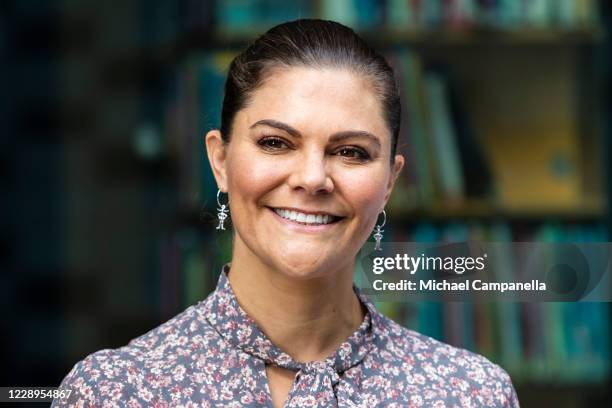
{"type": "Point", "coordinates": [304, 218]}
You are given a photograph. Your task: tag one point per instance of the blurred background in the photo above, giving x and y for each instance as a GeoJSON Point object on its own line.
{"type": "Point", "coordinates": [107, 209]}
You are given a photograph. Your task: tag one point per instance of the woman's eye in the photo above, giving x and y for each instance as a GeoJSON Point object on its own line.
{"type": "Point", "coordinates": [272, 143]}
{"type": "Point", "coordinates": [353, 153]}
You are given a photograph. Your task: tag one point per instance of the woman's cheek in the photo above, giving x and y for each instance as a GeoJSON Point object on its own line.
{"type": "Point", "coordinates": [254, 176]}
{"type": "Point", "coordinates": [364, 189]}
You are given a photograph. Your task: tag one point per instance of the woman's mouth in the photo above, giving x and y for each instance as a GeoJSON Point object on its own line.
{"type": "Point", "coordinates": [306, 218]}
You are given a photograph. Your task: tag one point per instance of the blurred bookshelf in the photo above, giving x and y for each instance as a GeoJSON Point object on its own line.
{"type": "Point", "coordinates": [504, 135]}
{"type": "Point", "coordinates": [506, 131]}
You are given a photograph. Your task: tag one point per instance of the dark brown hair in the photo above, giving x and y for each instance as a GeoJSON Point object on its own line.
{"type": "Point", "coordinates": [310, 43]}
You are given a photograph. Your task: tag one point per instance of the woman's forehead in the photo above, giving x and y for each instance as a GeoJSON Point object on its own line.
{"type": "Point", "coordinates": [337, 84]}
{"type": "Point", "coordinates": [309, 96]}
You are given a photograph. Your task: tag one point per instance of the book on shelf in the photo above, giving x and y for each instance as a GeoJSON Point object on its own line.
{"type": "Point", "coordinates": [196, 110]}
{"type": "Point", "coordinates": [444, 138]}
{"type": "Point", "coordinates": [418, 173]}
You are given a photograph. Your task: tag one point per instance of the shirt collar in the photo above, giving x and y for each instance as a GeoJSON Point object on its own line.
{"type": "Point", "coordinates": [223, 312]}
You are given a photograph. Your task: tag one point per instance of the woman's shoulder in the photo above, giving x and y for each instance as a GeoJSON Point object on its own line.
{"type": "Point", "coordinates": [431, 363]}
{"type": "Point", "coordinates": [404, 343]}
{"type": "Point", "coordinates": [143, 368]}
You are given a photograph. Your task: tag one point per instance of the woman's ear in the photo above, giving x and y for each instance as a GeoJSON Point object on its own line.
{"type": "Point", "coordinates": [216, 150]}
{"type": "Point", "coordinates": [398, 164]}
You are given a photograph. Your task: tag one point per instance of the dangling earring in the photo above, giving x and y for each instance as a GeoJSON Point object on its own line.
{"type": "Point", "coordinates": [378, 232]}
{"type": "Point", "coordinates": [222, 211]}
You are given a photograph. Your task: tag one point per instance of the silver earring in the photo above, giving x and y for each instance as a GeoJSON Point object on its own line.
{"type": "Point", "coordinates": [378, 232]}
{"type": "Point", "coordinates": [222, 211]}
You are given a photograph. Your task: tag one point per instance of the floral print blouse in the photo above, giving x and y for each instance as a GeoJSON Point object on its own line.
{"type": "Point", "coordinates": [214, 355]}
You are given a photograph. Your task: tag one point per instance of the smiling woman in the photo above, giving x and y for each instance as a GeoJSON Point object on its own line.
{"type": "Point", "coordinates": [306, 155]}
{"type": "Point", "coordinates": [303, 160]}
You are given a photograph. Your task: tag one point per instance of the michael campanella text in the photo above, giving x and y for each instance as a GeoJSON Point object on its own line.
{"type": "Point", "coordinates": [444, 285]}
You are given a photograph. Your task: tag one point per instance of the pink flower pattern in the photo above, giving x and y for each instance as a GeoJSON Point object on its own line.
{"type": "Point", "coordinates": [214, 355]}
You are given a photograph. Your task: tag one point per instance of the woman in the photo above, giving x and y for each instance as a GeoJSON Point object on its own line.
{"type": "Point", "coordinates": [307, 156]}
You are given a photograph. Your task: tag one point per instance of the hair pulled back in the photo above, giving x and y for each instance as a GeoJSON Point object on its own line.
{"type": "Point", "coordinates": [309, 43]}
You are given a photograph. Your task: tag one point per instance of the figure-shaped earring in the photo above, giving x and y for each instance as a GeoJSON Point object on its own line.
{"type": "Point", "coordinates": [378, 232]}
{"type": "Point", "coordinates": [222, 212]}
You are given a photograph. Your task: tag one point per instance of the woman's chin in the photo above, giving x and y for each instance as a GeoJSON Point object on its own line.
{"type": "Point", "coordinates": [302, 267]}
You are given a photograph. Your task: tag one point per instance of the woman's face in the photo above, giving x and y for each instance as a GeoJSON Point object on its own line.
{"type": "Point", "coordinates": [307, 170]}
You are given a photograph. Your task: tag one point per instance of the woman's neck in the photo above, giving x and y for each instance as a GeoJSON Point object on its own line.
{"type": "Point", "coordinates": [306, 318]}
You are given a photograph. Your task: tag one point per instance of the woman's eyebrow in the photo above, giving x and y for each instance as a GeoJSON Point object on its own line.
{"type": "Point", "coordinates": [278, 125]}
{"type": "Point", "coordinates": [336, 137]}
{"type": "Point", "coordinates": [346, 134]}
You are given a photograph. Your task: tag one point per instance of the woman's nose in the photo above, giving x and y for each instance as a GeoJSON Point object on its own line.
{"type": "Point", "coordinates": [310, 173]}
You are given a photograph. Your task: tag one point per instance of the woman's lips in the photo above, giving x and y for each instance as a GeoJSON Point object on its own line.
{"type": "Point", "coordinates": [299, 226]}
{"type": "Point", "coordinates": [306, 217]}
